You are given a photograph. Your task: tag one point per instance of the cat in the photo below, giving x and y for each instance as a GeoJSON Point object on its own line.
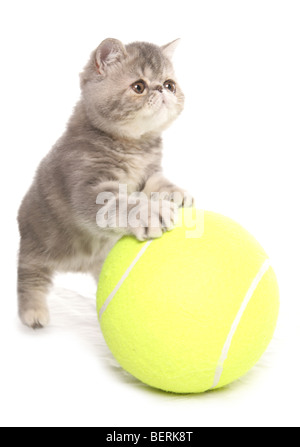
{"type": "Point", "coordinates": [129, 96]}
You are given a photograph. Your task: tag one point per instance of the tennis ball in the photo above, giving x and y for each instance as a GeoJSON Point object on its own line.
{"type": "Point", "coordinates": [191, 311]}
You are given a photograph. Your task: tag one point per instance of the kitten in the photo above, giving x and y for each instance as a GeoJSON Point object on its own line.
{"type": "Point", "coordinates": [129, 96]}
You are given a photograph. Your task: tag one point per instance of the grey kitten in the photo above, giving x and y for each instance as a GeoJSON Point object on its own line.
{"type": "Point", "coordinates": [129, 96]}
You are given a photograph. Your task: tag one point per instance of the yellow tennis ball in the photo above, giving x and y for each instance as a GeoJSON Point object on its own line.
{"type": "Point", "coordinates": [191, 311]}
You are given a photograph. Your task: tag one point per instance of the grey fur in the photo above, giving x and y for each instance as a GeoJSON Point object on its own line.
{"type": "Point", "coordinates": [113, 137]}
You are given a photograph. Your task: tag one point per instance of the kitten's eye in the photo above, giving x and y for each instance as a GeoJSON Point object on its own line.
{"type": "Point", "coordinates": [139, 87]}
{"type": "Point", "coordinates": [170, 85]}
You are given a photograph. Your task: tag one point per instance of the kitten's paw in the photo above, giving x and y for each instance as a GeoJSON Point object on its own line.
{"type": "Point", "coordinates": [35, 318]}
{"type": "Point", "coordinates": [188, 200]}
{"type": "Point", "coordinates": [159, 217]}
{"type": "Point", "coordinates": [183, 199]}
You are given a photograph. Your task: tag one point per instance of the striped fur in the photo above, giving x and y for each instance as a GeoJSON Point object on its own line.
{"type": "Point", "coordinates": [113, 137]}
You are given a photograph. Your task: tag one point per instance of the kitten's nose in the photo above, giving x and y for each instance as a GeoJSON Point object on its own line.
{"type": "Point", "coordinates": [159, 88]}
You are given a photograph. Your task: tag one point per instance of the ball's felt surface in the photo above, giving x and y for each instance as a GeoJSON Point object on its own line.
{"type": "Point", "coordinates": [170, 318]}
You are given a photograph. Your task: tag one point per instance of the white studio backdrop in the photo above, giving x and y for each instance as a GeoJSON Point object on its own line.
{"type": "Point", "coordinates": [235, 148]}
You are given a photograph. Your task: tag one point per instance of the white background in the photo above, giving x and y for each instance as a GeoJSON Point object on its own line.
{"type": "Point", "coordinates": [236, 147]}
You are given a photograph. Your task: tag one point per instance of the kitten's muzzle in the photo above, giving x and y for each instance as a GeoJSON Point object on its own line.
{"type": "Point", "coordinates": [159, 88]}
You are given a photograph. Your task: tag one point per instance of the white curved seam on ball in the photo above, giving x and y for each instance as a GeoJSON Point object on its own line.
{"type": "Point", "coordinates": [219, 369]}
{"type": "Point", "coordinates": [126, 274]}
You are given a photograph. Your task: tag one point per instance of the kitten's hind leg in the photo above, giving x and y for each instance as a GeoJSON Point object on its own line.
{"type": "Point", "coordinates": [34, 282]}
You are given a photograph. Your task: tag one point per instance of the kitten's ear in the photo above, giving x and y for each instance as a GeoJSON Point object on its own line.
{"type": "Point", "coordinates": [109, 52]}
{"type": "Point", "coordinates": [169, 49]}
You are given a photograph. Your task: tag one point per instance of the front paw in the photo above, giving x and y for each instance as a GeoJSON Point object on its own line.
{"type": "Point", "coordinates": [155, 217]}
{"type": "Point", "coordinates": [186, 200]}
{"type": "Point", "coordinates": [181, 198]}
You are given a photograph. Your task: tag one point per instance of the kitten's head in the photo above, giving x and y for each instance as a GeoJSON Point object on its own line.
{"type": "Point", "coordinates": [131, 90]}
